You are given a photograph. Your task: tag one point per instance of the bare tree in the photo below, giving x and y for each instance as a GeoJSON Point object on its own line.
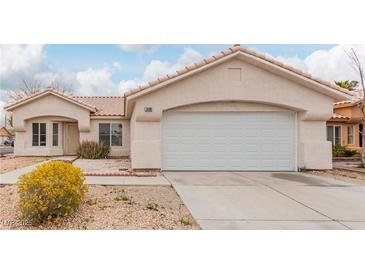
{"type": "Point", "coordinates": [359, 67]}
{"type": "Point", "coordinates": [31, 87]}
{"type": "Point", "coordinates": [62, 87]}
{"type": "Point", "coordinates": [27, 88]}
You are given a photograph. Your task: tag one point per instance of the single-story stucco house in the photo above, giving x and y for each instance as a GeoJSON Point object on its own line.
{"type": "Point", "coordinates": [236, 110]}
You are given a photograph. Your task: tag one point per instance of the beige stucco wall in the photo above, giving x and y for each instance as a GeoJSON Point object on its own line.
{"type": "Point", "coordinates": [46, 109]}
{"type": "Point", "coordinates": [23, 141]}
{"type": "Point", "coordinates": [51, 105]}
{"type": "Point", "coordinates": [353, 112]}
{"type": "Point", "coordinates": [93, 135]}
{"type": "Point", "coordinates": [221, 84]}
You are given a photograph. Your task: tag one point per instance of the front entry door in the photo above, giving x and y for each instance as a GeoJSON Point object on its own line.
{"type": "Point", "coordinates": [72, 139]}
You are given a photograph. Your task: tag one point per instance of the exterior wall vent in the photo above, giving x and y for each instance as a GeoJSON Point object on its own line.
{"type": "Point", "coordinates": [235, 74]}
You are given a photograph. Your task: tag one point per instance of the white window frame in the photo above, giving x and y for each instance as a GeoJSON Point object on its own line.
{"type": "Point", "coordinates": [110, 133]}
{"type": "Point", "coordinates": [334, 135]}
{"type": "Point", "coordinates": [39, 134]}
{"type": "Point", "coordinates": [55, 135]}
{"type": "Point", "coordinates": [352, 135]}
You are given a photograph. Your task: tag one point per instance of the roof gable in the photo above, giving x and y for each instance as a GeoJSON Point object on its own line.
{"type": "Point", "coordinates": [46, 92]}
{"type": "Point", "coordinates": [328, 88]}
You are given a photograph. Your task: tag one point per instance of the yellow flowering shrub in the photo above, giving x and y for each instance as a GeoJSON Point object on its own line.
{"type": "Point", "coordinates": [51, 191]}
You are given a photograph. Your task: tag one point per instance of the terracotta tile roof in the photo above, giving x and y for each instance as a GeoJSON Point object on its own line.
{"type": "Point", "coordinates": [49, 91]}
{"type": "Point", "coordinates": [105, 105]}
{"type": "Point", "coordinates": [230, 51]}
{"type": "Point", "coordinates": [347, 103]}
{"type": "Point", "coordinates": [337, 116]}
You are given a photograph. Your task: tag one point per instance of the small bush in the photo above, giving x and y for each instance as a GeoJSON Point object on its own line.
{"type": "Point", "coordinates": [125, 199]}
{"type": "Point", "coordinates": [185, 221]}
{"type": "Point", "coordinates": [92, 150]}
{"type": "Point", "coordinates": [350, 152]}
{"type": "Point", "coordinates": [338, 151]}
{"type": "Point", "coordinates": [152, 206]}
{"type": "Point", "coordinates": [51, 191]}
{"type": "Point", "coordinates": [342, 151]}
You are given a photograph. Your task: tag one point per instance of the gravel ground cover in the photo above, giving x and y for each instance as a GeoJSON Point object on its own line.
{"type": "Point", "coordinates": [102, 165]}
{"type": "Point", "coordinates": [9, 163]}
{"type": "Point", "coordinates": [110, 207]}
{"type": "Point", "coordinates": [341, 175]}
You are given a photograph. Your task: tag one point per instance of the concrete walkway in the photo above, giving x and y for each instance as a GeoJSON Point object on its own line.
{"type": "Point", "coordinates": [349, 166]}
{"type": "Point", "coordinates": [11, 177]}
{"type": "Point", "coordinates": [253, 200]}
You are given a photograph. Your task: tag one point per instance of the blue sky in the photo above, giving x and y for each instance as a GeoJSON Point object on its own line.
{"type": "Point", "coordinates": [79, 57]}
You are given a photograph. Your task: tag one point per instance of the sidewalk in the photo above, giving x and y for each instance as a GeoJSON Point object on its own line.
{"type": "Point", "coordinates": [349, 166]}
{"type": "Point", "coordinates": [11, 177]}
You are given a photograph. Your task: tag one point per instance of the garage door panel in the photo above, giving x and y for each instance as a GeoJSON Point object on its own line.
{"type": "Point", "coordinates": [228, 141]}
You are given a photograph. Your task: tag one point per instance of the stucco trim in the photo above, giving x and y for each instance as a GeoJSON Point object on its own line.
{"type": "Point", "coordinates": [282, 107]}
{"type": "Point", "coordinates": [109, 117]}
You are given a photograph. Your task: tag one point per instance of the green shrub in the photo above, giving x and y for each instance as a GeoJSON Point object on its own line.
{"type": "Point", "coordinates": [185, 221]}
{"type": "Point", "coordinates": [338, 151]}
{"type": "Point", "coordinates": [92, 150]}
{"type": "Point", "coordinates": [51, 191]}
{"type": "Point", "coordinates": [342, 151]}
{"type": "Point", "coordinates": [350, 153]}
{"type": "Point", "coordinates": [152, 206]}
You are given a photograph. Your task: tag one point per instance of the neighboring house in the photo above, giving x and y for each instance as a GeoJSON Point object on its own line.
{"type": "Point", "coordinates": [344, 128]}
{"type": "Point", "coordinates": [236, 110]}
{"type": "Point", "coordinates": [5, 135]}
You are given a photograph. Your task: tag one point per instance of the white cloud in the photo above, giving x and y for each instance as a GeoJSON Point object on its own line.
{"type": "Point", "coordinates": [189, 57]}
{"type": "Point", "coordinates": [331, 65]}
{"type": "Point", "coordinates": [20, 62]}
{"type": "Point", "coordinates": [125, 85]}
{"type": "Point", "coordinates": [97, 82]}
{"type": "Point", "coordinates": [139, 48]}
{"type": "Point", "coordinates": [157, 68]}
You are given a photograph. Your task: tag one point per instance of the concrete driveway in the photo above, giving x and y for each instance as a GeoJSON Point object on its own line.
{"type": "Point", "coordinates": [254, 200]}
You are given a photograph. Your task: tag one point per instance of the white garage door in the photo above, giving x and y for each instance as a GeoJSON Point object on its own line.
{"type": "Point", "coordinates": [228, 141]}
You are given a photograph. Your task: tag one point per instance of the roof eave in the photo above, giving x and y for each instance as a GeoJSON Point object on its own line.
{"type": "Point", "coordinates": [15, 105]}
